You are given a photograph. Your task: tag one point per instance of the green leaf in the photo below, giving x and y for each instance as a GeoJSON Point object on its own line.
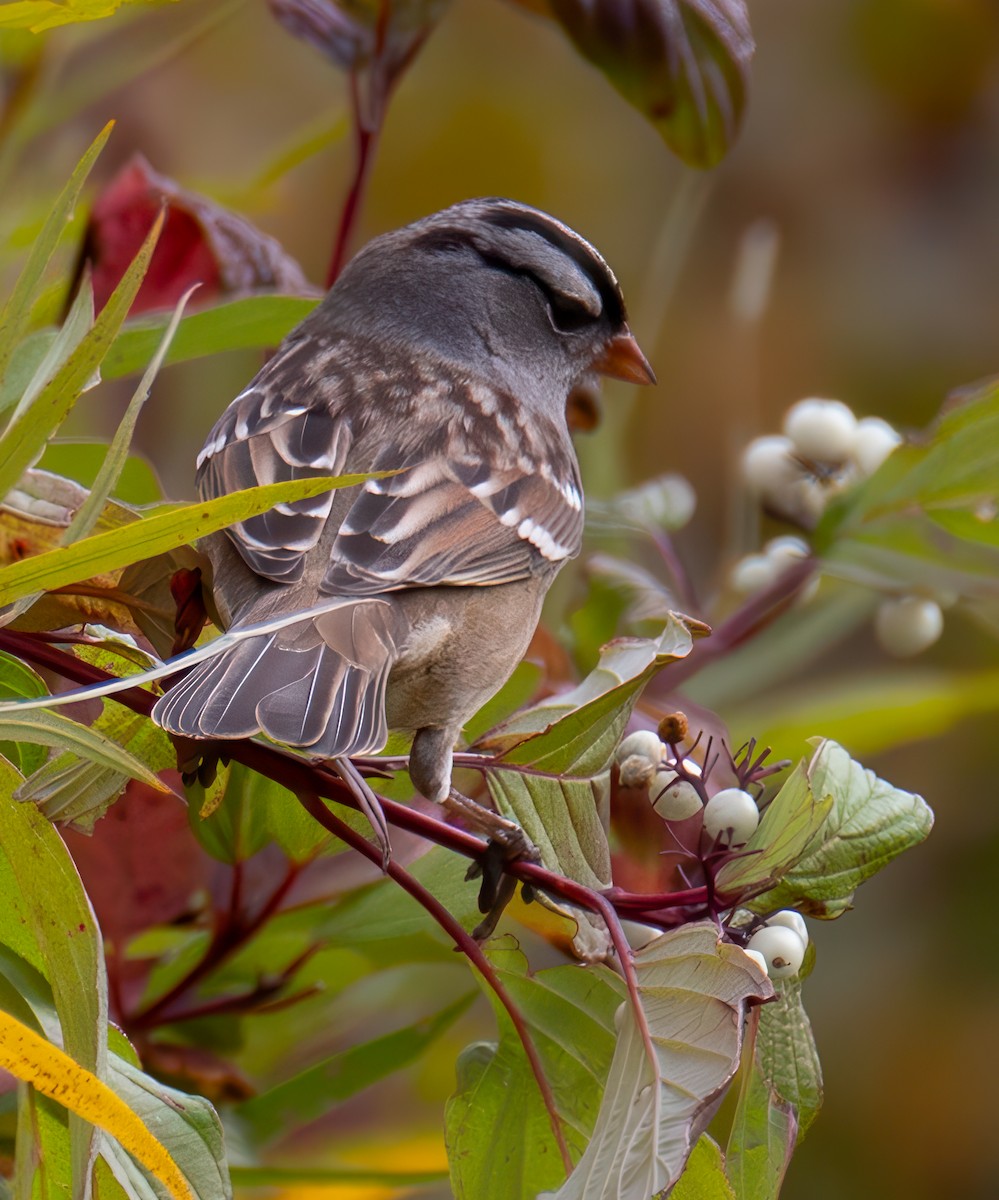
{"type": "Point", "coordinates": [254, 812]}
{"type": "Point", "coordinates": [25, 436]}
{"type": "Point", "coordinates": [791, 825]}
{"type": "Point", "coordinates": [562, 817]}
{"type": "Point", "coordinates": [870, 823]}
{"type": "Point", "coordinates": [319, 1088]}
{"type": "Point", "coordinates": [157, 534]}
{"type": "Point", "coordinates": [21, 390]}
{"type": "Point", "coordinates": [497, 1114]}
{"type": "Point", "coordinates": [693, 990]}
{"type": "Point", "coordinates": [684, 64]}
{"type": "Point", "coordinates": [787, 1055]}
{"type": "Point", "coordinates": [53, 904]}
{"type": "Point", "coordinates": [137, 483]}
{"type": "Point", "coordinates": [575, 733]}
{"type": "Point", "coordinates": [78, 792]}
{"type": "Point", "coordinates": [761, 1140]}
{"type": "Point", "coordinates": [17, 310]}
{"type": "Point", "coordinates": [89, 512]}
{"type": "Point", "coordinates": [19, 682]}
{"type": "Point", "coordinates": [53, 729]}
{"type": "Point", "coordinates": [251, 323]}
{"type": "Point", "coordinates": [187, 1126]}
{"type": "Point", "coordinates": [704, 1176]}
{"type": "Point", "coordinates": [924, 517]}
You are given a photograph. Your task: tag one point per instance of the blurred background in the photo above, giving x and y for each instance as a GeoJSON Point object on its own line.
{"type": "Point", "coordinates": [871, 149]}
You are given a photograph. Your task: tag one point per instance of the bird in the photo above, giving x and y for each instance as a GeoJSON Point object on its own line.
{"type": "Point", "coordinates": [446, 351]}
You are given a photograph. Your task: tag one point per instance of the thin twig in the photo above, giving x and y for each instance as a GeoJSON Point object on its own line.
{"type": "Point", "coordinates": [462, 939]}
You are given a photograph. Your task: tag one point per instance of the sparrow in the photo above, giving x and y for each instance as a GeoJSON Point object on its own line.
{"type": "Point", "coordinates": [446, 351]}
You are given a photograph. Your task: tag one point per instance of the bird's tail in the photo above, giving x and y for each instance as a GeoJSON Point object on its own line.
{"type": "Point", "coordinates": [318, 684]}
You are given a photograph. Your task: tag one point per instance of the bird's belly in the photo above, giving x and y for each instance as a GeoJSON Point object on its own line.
{"type": "Point", "coordinates": [463, 645]}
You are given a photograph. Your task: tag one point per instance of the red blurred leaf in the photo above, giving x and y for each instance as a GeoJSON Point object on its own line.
{"type": "Point", "coordinates": [141, 867]}
{"type": "Point", "coordinates": [202, 242]}
{"type": "Point", "coordinates": [683, 63]}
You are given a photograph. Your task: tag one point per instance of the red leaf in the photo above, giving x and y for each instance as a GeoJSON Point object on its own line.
{"type": "Point", "coordinates": [201, 243]}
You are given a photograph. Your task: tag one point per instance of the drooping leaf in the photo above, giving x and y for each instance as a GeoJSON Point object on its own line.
{"type": "Point", "coordinates": [202, 244]}
{"type": "Point", "coordinates": [563, 819]}
{"type": "Point", "coordinates": [684, 64]}
{"type": "Point", "coordinates": [77, 791]}
{"type": "Point", "coordinates": [136, 601]}
{"type": "Point", "coordinates": [498, 1133]}
{"type": "Point", "coordinates": [870, 822]}
{"type": "Point", "coordinates": [787, 1055]}
{"type": "Point", "coordinates": [355, 36]}
{"type": "Point", "coordinates": [694, 991]}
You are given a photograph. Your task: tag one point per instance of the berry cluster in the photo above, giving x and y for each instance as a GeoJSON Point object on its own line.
{"type": "Point", "coordinates": [823, 449]}
{"type": "Point", "coordinates": [729, 817]}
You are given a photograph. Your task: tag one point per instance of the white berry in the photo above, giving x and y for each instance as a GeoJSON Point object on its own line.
{"type": "Point", "coordinates": [674, 799]}
{"type": "Point", "coordinates": [784, 552]}
{"type": "Point", "coordinates": [873, 440]}
{"type": "Point", "coordinates": [752, 574]}
{"type": "Point", "coordinates": [908, 625]}
{"type": "Point", "coordinates": [782, 949]}
{"type": "Point", "coordinates": [790, 920]}
{"type": "Point", "coordinates": [667, 502]}
{"type": "Point", "coordinates": [821, 430]}
{"type": "Point", "coordinates": [756, 956]}
{"type": "Point", "coordinates": [768, 463]}
{"type": "Point", "coordinates": [731, 815]}
{"type": "Point", "coordinates": [642, 742]}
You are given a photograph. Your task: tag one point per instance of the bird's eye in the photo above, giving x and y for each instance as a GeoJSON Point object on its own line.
{"type": "Point", "coordinates": [567, 315]}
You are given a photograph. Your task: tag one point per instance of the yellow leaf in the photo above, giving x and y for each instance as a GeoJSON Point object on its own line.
{"type": "Point", "coordinates": [29, 1056]}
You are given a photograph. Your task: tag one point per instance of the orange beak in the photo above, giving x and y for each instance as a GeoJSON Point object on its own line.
{"type": "Point", "coordinates": [623, 359]}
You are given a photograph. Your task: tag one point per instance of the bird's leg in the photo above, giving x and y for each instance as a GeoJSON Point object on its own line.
{"type": "Point", "coordinates": [506, 835]}
{"type": "Point", "coordinates": [368, 803]}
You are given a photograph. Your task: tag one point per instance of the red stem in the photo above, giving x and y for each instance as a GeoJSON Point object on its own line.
{"type": "Point", "coordinates": [232, 932]}
{"type": "Point", "coordinates": [366, 141]}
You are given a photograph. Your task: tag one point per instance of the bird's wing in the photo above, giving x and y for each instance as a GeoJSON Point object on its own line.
{"type": "Point", "coordinates": [291, 423]}
{"type": "Point", "coordinates": [484, 501]}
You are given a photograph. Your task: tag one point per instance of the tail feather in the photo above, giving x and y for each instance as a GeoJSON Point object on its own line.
{"type": "Point", "coordinates": [319, 684]}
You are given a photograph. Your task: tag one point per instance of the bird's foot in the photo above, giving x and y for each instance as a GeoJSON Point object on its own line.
{"type": "Point", "coordinates": [507, 843]}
